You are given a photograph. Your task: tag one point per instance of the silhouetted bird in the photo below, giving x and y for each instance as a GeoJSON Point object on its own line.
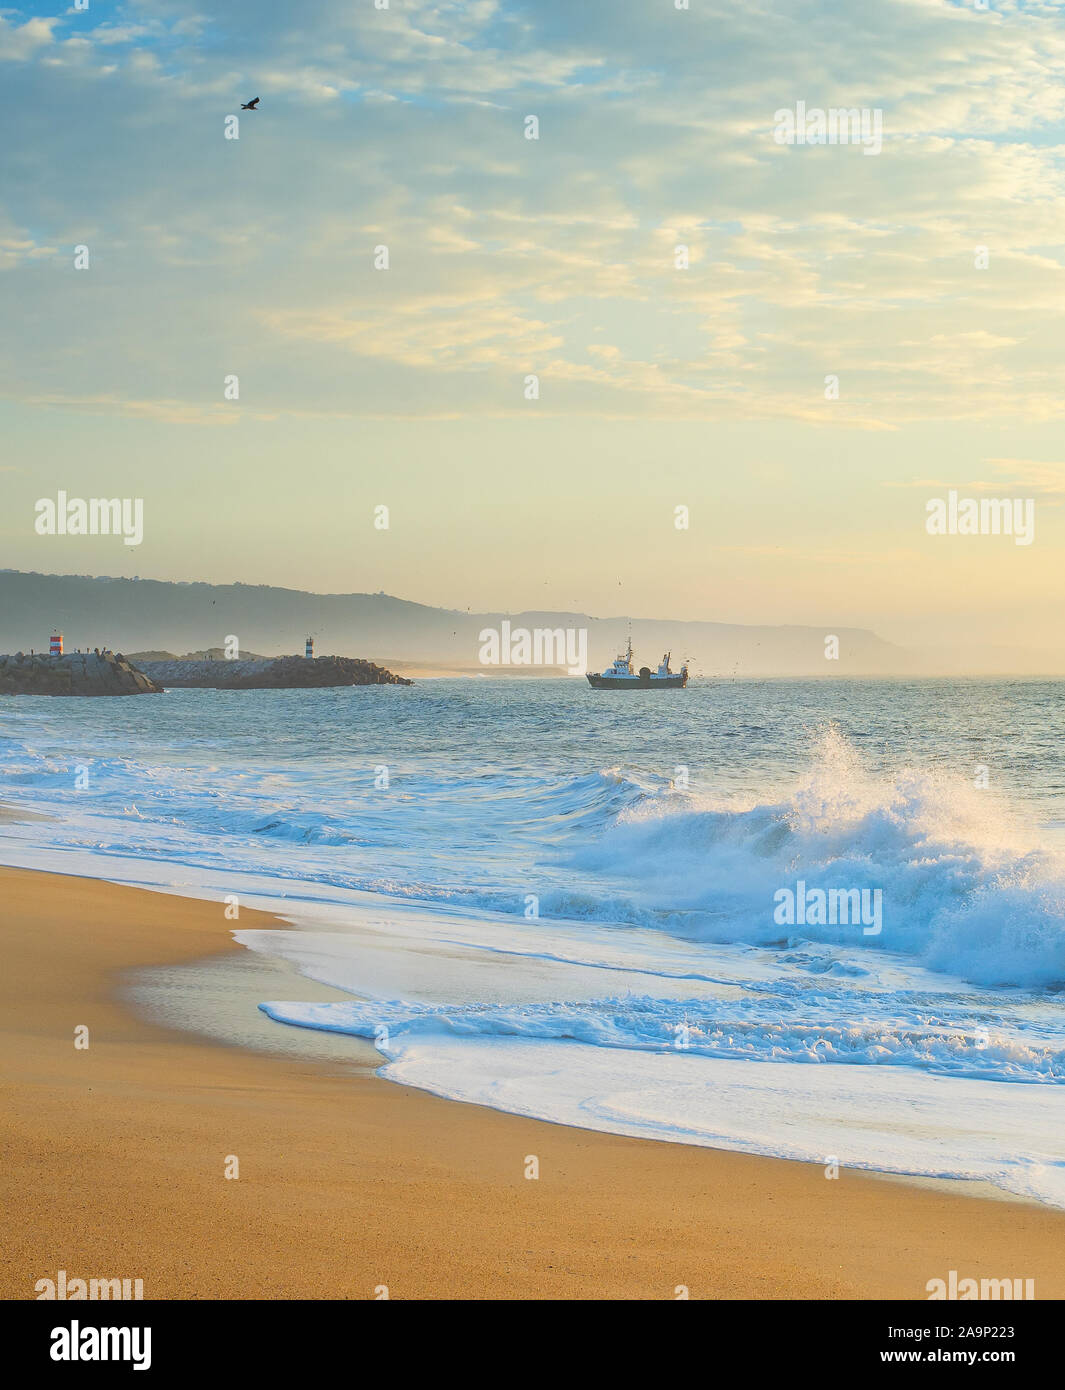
{"type": "Point", "coordinates": [250, 105]}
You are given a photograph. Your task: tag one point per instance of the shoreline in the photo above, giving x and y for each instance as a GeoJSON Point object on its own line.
{"type": "Point", "coordinates": [347, 1182]}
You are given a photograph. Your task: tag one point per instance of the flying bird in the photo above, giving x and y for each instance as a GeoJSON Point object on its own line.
{"type": "Point", "coordinates": [250, 105]}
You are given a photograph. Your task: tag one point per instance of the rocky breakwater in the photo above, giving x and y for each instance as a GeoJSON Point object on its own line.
{"type": "Point", "coordinates": [283, 673]}
{"type": "Point", "coordinates": [76, 673]}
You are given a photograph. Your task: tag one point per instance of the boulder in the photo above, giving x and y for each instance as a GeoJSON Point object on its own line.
{"type": "Point", "coordinates": [282, 673]}
{"type": "Point", "coordinates": [76, 673]}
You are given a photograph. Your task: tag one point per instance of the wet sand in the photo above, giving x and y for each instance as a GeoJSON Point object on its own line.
{"type": "Point", "coordinates": [114, 1159]}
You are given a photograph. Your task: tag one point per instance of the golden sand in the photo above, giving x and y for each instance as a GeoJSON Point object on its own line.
{"type": "Point", "coordinates": [114, 1161]}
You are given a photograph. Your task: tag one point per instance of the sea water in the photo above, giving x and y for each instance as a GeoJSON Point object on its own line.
{"type": "Point", "coordinates": [565, 903]}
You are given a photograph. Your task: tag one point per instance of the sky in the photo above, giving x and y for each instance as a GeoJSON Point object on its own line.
{"type": "Point", "coordinates": [926, 278]}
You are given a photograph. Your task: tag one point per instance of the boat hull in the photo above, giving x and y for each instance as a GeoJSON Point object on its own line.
{"type": "Point", "coordinates": [653, 682]}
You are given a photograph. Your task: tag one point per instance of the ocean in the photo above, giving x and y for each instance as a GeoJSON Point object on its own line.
{"type": "Point", "coordinates": [601, 908]}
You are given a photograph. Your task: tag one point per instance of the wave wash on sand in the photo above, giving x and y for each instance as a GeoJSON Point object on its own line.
{"type": "Point", "coordinates": [651, 989]}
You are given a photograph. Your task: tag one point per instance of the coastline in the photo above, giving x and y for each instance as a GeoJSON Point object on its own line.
{"type": "Point", "coordinates": [116, 1154]}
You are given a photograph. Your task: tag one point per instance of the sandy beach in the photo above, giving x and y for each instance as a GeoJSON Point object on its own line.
{"type": "Point", "coordinates": [115, 1156]}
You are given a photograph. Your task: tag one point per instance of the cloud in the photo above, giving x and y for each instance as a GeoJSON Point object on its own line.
{"type": "Point", "coordinates": [556, 256]}
{"type": "Point", "coordinates": [20, 42]}
{"type": "Point", "coordinates": [1027, 476]}
{"type": "Point", "coordinates": [1043, 479]}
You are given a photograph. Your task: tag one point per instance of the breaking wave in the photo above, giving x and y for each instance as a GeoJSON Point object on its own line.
{"type": "Point", "coordinates": [963, 889]}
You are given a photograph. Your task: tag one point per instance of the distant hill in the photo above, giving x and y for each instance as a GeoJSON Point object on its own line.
{"type": "Point", "coordinates": [147, 616]}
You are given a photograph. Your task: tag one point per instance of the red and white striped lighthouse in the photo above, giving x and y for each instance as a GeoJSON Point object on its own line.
{"type": "Point", "coordinates": [55, 646]}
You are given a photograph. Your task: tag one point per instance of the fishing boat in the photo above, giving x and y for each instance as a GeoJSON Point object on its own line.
{"type": "Point", "coordinates": [622, 676]}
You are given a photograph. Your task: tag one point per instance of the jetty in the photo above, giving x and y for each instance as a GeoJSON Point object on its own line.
{"type": "Point", "coordinates": [281, 673]}
{"type": "Point", "coordinates": [75, 673]}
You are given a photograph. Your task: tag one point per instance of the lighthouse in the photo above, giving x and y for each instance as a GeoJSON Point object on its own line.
{"type": "Point", "coordinates": [309, 653]}
{"type": "Point", "coordinates": [55, 646]}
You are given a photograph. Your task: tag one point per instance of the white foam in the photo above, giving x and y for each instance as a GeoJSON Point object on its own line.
{"type": "Point", "coordinates": [859, 1117]}
{"type": "Point", "coordinates": [936, 1048]}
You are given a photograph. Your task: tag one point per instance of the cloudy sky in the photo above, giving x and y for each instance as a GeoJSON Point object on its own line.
{"type": "Point", "coordinates": [660, 387]}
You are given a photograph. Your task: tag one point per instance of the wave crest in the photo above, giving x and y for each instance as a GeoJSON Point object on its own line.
{"type": "Point", "coordinates": [962, 888]}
